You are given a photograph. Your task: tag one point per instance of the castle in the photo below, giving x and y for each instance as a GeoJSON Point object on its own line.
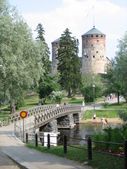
{"type": "Point", "coordinates": [93, 58]}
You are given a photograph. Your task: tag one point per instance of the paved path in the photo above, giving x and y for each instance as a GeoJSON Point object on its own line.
{"type": "Point", "coordinates": [7, 163]}
{"type": "Point", "coordinates": [30, 158]}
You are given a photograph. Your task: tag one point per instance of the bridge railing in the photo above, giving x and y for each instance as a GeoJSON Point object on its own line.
{"type": "Point", "coordinates": [36, 111]}
{"type": "Point", "coordinates": [41, 117]}
{"type": "Point", "coordinates": [55, 112]}
{"type": "Point", "coordinates": [32, 111]}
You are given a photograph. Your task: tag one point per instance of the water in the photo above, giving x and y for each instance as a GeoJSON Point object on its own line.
{"type": "Point", "coordinates": [81, 131]}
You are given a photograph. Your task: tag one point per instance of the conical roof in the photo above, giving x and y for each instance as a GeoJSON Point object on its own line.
{"type": "Point", "coordinates": [93, 31]}
{"type": "Point", "coordinates": [56, 41]}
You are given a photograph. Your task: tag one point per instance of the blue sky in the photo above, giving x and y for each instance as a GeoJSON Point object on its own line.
{"type": "Point", "coordinates": [77, 15]}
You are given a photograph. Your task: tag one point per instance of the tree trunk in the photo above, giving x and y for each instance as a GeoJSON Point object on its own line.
{"type": "Point", "coordinates": [12, 107]}
{"type": "Point", "coordinates": [118, 98]}
{"type": "Point", "coordinates": [69, 92]}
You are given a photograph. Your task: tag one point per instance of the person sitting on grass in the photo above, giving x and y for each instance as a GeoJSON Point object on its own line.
{"type": "Point", "coordinates": [94, 116]}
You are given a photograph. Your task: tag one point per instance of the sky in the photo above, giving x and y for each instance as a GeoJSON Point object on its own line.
{"type": "Point", "coordinates": [109, 16]}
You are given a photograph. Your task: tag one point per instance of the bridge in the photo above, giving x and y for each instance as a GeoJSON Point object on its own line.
{"type": "Point", "coordinates": [46, 118]}
{"type": "Point", "coordinates": [38, 118]}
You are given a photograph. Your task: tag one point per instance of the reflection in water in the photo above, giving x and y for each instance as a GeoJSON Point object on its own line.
{"type": "Point", "coordinates": [81, 131]}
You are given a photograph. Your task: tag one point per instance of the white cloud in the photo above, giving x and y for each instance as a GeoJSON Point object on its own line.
{"type": "Point", "coordinates": [77, 15]}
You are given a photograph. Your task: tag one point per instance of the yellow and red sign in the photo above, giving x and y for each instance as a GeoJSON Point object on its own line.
{"type": "Point", "coordinates": [23, 114]}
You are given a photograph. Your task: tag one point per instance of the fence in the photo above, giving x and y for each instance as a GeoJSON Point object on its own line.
{"type": "Point", "coordinates": [90, 145]}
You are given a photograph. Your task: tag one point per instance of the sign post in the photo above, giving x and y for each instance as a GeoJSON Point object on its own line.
{"type": "Point", "coordinates": [23, 115]}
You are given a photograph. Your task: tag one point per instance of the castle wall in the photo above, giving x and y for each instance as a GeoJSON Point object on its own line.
{"type": "Point", "coordinates": [93, 54]}
{"type": "Point", "coordinates": [55, 46]}
{"type": "Point", "coordinates": [93, 59]}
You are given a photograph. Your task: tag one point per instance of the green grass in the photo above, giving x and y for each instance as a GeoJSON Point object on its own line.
{"type": "Point", "coordinates": [99, 161]}
{"type": "Point", "coordinates": [72, 152]}
{"type": "Point", "coordinates": [101, 113]}
{"type": "Point", "coordinates": [104, 161]}
{"type": "Point", "coordinates": [117, 106]}
{"type": "Point", "coordinates": [30, 101]}
{"type": "Point", "coordinates": [75, 101]}
{"type": "Point", "coordinates": [109, 111]}
{"type": "Point", "coordinates": [4, 115]}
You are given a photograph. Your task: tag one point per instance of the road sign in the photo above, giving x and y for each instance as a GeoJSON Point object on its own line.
{"type": "Point", "coordinates": [23, 114]}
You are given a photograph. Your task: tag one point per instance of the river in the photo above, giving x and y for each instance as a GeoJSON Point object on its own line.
{"type": "Point", "coordinates": [82, 131]}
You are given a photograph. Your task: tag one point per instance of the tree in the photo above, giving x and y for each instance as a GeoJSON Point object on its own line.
{"type": "Point", "coordinates": [121, 65]}
{"type": "Point", "coordinates": [43, 48]}
{"type": "Point", "coordinates": [68, 63]}
{"type": "Point", "coordinates": [40, 32]}
{"type": "Point", "coordinates": [46, 86]}
{"type": "Point", "coordinates": [46, 83]}
{"type": "Point", "coordinates": [19, 57]}
{"type": "Point", "coordinates": [92, 87]}
{"type": "Point", "coordinates": [116, 78]}
{"type": "Point", "coordinates": [112, 81]}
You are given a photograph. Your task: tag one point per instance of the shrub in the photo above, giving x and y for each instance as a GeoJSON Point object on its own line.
{"type": "Point", "coordinates": [116, 135]}
{"type": "Point", "coordinates": [56, 96]}
{"type": "Point", "coordinates": [123, 115]}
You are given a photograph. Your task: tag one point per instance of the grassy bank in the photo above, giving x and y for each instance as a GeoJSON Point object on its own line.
{"type": "Point", "coordinates": [100, 161]}
{"type": "Point", "coordinates": [100, 113]}
{"type": "Point", "coordinates": [29, 101]}
{"type": "Point", "coordinates": [109, 111]}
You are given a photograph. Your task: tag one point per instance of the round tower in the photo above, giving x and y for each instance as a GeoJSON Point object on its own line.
{"type": "Point", "coordinates": [55, 46]}
{"type": "Point", "coordinates": [93, 52]}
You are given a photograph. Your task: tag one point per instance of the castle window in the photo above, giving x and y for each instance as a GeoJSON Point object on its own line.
{"type": "Point", "coordinates": [101, 56]}
{"type": "Point", "coordinates": [91, 45]}
{"type": "Point", "coordinates": [101, 35]}
{"type": "Point", "coordinates": [96, 35]}
{"type": "Point", "coordinates": [91, 35]}
{"type": "Point", "coordinates": [96, 51]}
{"type": "Point", "coordinates": [93, 56]}
{"type": "Point", "coordinates": [86, 56]}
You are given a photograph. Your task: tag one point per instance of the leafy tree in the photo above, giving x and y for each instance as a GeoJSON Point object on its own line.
{"type": "Point", "coordinates": [121, 65]}
{"type": "Point", "coordinates": [46, 87]}
{"type": "Point", "coordinates": [68, 63]}
{"type": "Point", "coordinates": [19, 57]}
{"type": "Point", "coordinates": [92, 87]}
{"type": "Point", "coordinates": [116, 78]}
{"type": "Point", "coordinates": [113, 82]}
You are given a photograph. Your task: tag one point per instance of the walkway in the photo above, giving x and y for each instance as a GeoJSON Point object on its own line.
{"type": "Point", "coordinates": [7, 163]}
{"type": "Point", "coordinates": [30, 158]}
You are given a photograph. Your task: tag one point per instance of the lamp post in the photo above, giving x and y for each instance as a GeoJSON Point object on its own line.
{"type": "Point", "coordinates": [94, 96]}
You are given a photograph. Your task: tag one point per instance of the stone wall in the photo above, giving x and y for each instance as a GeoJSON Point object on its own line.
{"type": "Point", "coordinates": [55, 46]}
{"type": "Point", "coordinates": [93, 54]}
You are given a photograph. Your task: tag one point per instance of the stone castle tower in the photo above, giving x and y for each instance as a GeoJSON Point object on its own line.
{"type": "Point", "coordinates": [55, 46]}
{"type": "Point", "coordinates": [93, 58]}
{"type": "Point", "coordinates": [93, 52]}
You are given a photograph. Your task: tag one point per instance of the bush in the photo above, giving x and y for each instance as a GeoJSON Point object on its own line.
{"type": "Point", "coordinates": [118, 134]}
{"type": "Point", "coordinates": [106, 105]}
{"type": "Point", "coordinates": [123, 115]}
{"type": "Point", "coordinates": [56, 96]}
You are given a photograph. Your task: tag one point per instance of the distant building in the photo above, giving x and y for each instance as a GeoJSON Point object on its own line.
{"type": "Point", "coordinates": [55, 46]}
{"type": "Point", "coordinates": [93, 58]}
